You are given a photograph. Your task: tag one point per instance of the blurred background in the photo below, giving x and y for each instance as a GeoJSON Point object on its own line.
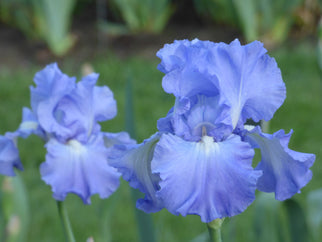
{"type": "Point", "coordinates": [119, 40]}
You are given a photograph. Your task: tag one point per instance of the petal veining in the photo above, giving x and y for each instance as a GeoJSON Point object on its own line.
{"type": "Point", "coordinates": [135, 166]}
{"type": "Point", "coordinates": [285, 171]}
{"type": "Point", "coordinates": [210, 179]}
{"type": "Point", "coordinates": [80, 169]}
{"type": "Point", "coordinates": [249, 80]}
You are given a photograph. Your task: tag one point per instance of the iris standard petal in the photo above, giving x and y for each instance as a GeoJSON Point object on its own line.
{"type": "Point", "coordinates": [210, 179]}
{"type": "Point", "coordinates": [81, 169]}
{"type": "Point", "coordinates": [100, 101]}
{"type": "Point", "coordinates": [9, 157]}
{"type": "Point", "coordinates": [135, 166]}
{"type": "Point", "coordinates": [51, 86]}
{"type": "Point", "coordinates": [83, 107]}
{"type": "Point", "coordinates": [185, 65]}
{"type": "Point", "coordinates": [249, 81]}
{"type": "Point", "coordinates": [285, 171]}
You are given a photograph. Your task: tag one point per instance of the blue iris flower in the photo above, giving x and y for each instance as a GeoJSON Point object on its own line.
{"type": "Point", "coordinates": [200, 160]}
{"type": "Point", "coordinates": [65, 114]}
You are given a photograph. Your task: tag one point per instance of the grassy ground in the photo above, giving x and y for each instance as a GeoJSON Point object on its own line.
{"type": "Point", "coordinates": [113, 219]}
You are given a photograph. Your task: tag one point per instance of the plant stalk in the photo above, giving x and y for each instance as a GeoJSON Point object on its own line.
{"type": "Point", "coordinates": [214, 229]}
{"type": "Point", "coordinates": [65, 222]}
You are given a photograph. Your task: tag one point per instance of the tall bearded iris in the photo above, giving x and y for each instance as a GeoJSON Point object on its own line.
{"type": "Point", "coordinates": [200, 160]}
{"type": "Point", "coordinates": [65, 114]}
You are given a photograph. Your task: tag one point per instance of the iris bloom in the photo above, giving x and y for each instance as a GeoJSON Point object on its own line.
{"type": "Point", "coordinates": [200, 160]}
{"type": "Point", "coordinates": [65, 114]}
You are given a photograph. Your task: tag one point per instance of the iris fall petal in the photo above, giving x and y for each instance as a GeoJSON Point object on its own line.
{"type": "Point", "coordinates": [81, 169]}
{"type": "Point", "coordinates": [210, 179]}
{"type": "Point", "coordinates": [285, 171]}
{"type": "Point", "coordinates": [135, 166]}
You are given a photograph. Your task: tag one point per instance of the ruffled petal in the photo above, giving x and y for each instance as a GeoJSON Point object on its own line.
{"type": "Point", "coordinates": [81, 169]}
{"type": "Point", "coordinates": [285, 171]}
{"type": "Point", "coordinates": [9, 157]}
{"type": "Point", "coordinates": [210, 179]}
{"type": "Point", "coordinates": [104, 104]}
{"type": "Point", "coordinates": [70, 111]}
{"type": "Point", "coordinates": [81, 109]}
{"type": "Point", "coordinates": [135, 166]}
{"type": "Point", "coordinates": [51, 86]}
{"type": "Point", "coordinates": [185, 65]}
{"type": "Point", "coordinates": [50, 82]}
{"type": "Point", "coordinates": [249, 81]}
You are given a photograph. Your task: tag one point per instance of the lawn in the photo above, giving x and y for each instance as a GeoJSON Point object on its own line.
{"type": "Point", "coordinates": [113, 219]}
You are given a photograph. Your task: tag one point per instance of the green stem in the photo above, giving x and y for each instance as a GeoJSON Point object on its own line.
{"type": "Point", "coordinates": [65, 222]}
{"type": "Point", "coordinates": [214, 229]}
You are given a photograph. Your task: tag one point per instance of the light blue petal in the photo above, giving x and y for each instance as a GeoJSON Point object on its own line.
{"type": "Point", "coordinates": [9, 156]}
{"type": "Point", "coordinates": [86, 105]}
{"type": "Point", "coordinates": [79, 168]}
{"type": "Point", "coordinates": [29, 125]}
{"type": "Point", "coordinates": [117, 144]}
{"type": "Point", "coordinates": [210, 179]}
{"type": "Point", "coordinates": [249, 81]}
{"type": "Point", "coordinates": [71, 112]}
{"type": "Point", "coordinates": [165, 124]}
{"type": "Point", "coordinates": [51, 86]}
{"type": "Point", "coordinates": [246, 78]}
{"type": "Point", "coordinates": [285, 171]}
{"type": "Point", "coordinates": [204, 114]}
{"type": "Point", "coordinates": [135, 166]}
{"type": "Point", "coordinates": [104, 104]}
{"type": "Point", "coordinates": [185, 65]}
{"type": "Point", "coordinates": [121, 138]}
{"type": "Point", "coordinates": [50, 82]}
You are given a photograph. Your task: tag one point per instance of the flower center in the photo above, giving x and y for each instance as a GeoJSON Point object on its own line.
{"type": "Point", "coordinates": [76, 146]}
{"type": "Point", "coordinates": [202, 129]}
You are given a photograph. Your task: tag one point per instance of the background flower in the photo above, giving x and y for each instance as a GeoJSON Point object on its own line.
{"type": "Point", "coordinates": [65, 114]}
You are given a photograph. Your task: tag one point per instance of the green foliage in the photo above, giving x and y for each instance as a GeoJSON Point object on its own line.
{"type": "Point", "coordinates": [269, 222]}
{"type": "Point", "coordinates": [296, 220]}
{"type": "Point", "coordinates": [246, 13]}
{"type": "Point", "coordinates": [144, 15]}
{"type": "Point", "coordinates": [269, 20]}
{"type": "Point", "coordinates": [14, 210]}
{"type": "Point", "coordinates": [218, 10]}
{"type": "Point", "coordinates": [144, 220]}
{"type": "Point", "coordinates": [319, 47]}
{"type": "Point", "coordinates": [41, 19]}
{"type": "Point", "coordinates": [275, 221]}
{"type": "Point", "coordinates": [273, 18]}
{"type": "Point", "coordinates": [314, 208]}
{"type": "Point", "coordinates": [52, 20]}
